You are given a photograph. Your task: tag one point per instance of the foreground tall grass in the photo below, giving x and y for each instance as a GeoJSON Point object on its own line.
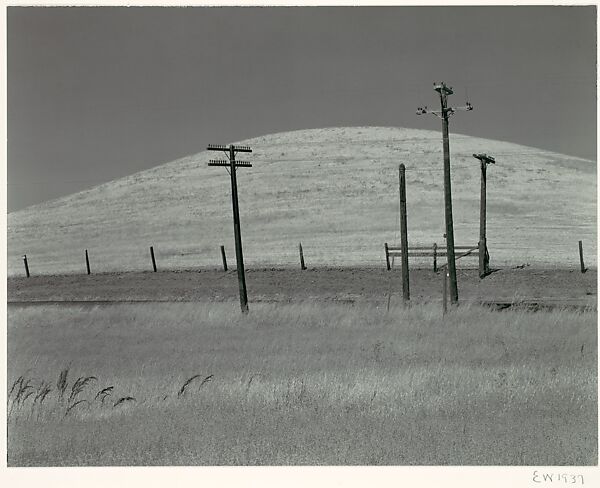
{"type": "Point", "coordinates": [300, 384]}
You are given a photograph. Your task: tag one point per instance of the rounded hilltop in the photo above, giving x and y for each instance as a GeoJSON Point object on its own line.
{"type": "Point", "coordinates": [333, 189]}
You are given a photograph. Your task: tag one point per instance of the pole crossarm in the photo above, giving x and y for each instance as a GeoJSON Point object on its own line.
{"type": "Point", "coordinates": [442, 87]}
{"type": "Point", "coordinates": [424, 110]}
{"type": "Point", "coordinates": [217, 147]}
{"type": "Point", "coordinates": [224, 162]}
{"type": "Point", "coordinates": [484, 158]}
{"type": "Point", "coordinates": [223, 147]}
{"type": "Point", "coordinates": [242, 149]}
{"type": "Point", "coordinates": [450, 111]}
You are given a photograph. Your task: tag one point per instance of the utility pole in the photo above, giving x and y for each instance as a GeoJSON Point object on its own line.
{"type": "Point", "coordinates": [404, 233]}
{"type": "Point", "coordinates": [231, 164]}
{"type": "Point", "coordinates": [484, 257]}
{"type": "Point", "coordinates": [445, 113]}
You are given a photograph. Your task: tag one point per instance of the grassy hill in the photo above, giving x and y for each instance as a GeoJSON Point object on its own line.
{"type": "Point", "coordinates": [334, 189]}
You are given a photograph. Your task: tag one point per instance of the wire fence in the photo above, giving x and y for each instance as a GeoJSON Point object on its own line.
{"type": "Point", "coordinates": [315, 254]}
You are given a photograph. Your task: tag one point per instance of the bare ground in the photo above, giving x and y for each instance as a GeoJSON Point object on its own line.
{"type": "Point", "coordinates": [556, 287]}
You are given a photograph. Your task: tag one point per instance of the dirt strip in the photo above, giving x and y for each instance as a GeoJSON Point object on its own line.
{"type": "Point", "coordinates": [525, 285]}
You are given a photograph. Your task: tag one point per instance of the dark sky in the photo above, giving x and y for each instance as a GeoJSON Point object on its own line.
{"type": "Point", "coordinates": [99, 93]}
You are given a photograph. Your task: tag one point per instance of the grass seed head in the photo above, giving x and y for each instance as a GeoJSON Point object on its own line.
{"type": "Point", "coordinates": [25, 397]}
{"type": "Point", "coordinates": [18, 382]}
{"type": "Point", "coordinates": [22, 392]}
{"type": "Point", "coordinates": [61, 384]}
{"type": "Point", "coordinates": [206, 380]}
{"type": "Point", "coordinates": [102, 394]}
{"type": "Point", "coordinates": [186, 384]}
{"type": "Point", "coordinates": [79, 385]}
{"type": "Point", "coordinates": [71, 407]}
{"type": "Point", "coordinates": [43, 391]}
{"type": "Point", "coordinates": [123, 400]}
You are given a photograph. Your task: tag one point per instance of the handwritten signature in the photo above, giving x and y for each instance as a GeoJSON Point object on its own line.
{"type": "Point", "coordinates": [557, 478]}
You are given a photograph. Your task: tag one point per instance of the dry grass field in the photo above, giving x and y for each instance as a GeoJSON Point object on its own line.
{"type": "Point", "coordinates": [300, 384]}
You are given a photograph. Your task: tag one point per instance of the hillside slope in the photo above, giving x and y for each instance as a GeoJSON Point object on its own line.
{"type": "Point", "coordinates": [334, 189]}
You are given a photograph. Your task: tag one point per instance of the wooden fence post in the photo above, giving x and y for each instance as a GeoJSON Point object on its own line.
{"type": "Point", "coordinates": [583, 270]}
{"type": "Point", "coordinates": [87, 262]}
{"type": "Point", "coordinates": [387, 256]}
{"type": "Point", "coordinates": [224, 258]}
{"type": "Point", "coordinates": [153, 260]}
{"type": "Point", "coordinates": [435, 257]}
{"type": "Point", "coordinates": [302, 266]}
{"type": "Point", "coordinates": [26, 265]}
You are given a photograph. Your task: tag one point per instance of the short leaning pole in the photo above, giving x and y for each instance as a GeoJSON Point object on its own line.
{"type": "Point", "coordinates": [87, 262]}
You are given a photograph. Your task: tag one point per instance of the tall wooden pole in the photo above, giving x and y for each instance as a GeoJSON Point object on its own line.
{"type": "Point", "coordinates": [445, 114]}
{"type": "Point", "coordinates": [448, 199]}
{"type": "Point", "coordinates": [231, 164]}
{"type": "Point", "coordinates": [482, 211]}
{"type": "Point", "coordinates": [26, 265]}
{"type": "Point", "coordinates": [404, 234]}
{"type": "Point", "coordinates": [237, 233]}
{"type": "Point", "coordinates": [484, 261]}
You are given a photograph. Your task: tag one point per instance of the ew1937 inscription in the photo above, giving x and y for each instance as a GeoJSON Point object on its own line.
{"type": "Point", "coordinates": [564, 478]}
